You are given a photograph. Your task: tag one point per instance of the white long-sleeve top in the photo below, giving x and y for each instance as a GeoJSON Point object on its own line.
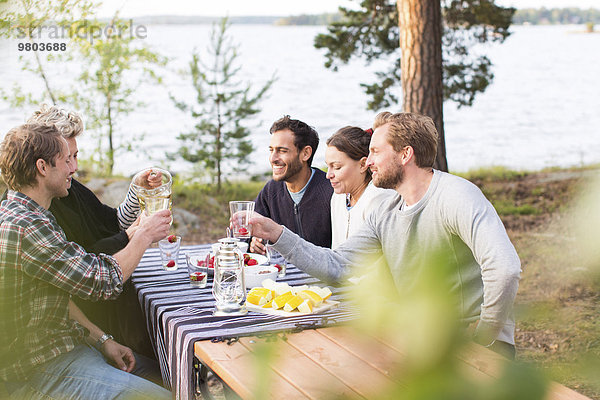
{"type": "Point", "coordinates": [346, 222]}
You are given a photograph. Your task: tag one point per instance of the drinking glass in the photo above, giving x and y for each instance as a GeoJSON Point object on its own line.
{"type": "Point", "coordinates": [169, 251]}
{"type": "Point", "coordinates": [153, 189]}
{"type": "Point", "coordinates": [241, 211]}
{"type": "Point", "coordinates": [197, 269]}
{"type": "Point", "coordinates": [275, 259]}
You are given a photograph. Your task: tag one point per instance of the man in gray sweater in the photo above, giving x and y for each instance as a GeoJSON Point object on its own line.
{"type": "Point", "coordinates": [434, 211]}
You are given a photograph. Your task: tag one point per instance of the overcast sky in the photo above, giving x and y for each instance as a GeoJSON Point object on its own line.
{"type": "Point", "coordinates": [130, 8]}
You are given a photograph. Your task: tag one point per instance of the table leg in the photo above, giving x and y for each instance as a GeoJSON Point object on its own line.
{"type": "Point", "coordinates": [201, 383]}
{"type": "Point", "coordinates": [201, 380]}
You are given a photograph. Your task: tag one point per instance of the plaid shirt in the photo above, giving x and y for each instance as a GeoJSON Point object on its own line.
{"type": "Point", "coordinates": [39, 271]}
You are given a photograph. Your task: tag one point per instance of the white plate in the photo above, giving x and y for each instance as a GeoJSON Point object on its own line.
{"type": "Point", "coordinates": [326, 305]}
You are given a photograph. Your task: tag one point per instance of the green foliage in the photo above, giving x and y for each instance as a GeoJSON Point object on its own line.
{"type": "Point", "coordinates": [212, 204]}
{"type": "Point", "coordinates": [544, 15]}
{"type": "Point", "coordinates": [589, 27]}
{"type": "Point", "coordinates": [494, 173]}
{"type": "Point", "coordinates": [372, 33]}
{"type": "Point", "coordinates": [113, 62]}
{"type": "Point", "coordinates": [26, 23]}
{"type": "Point", "coordinates": [421, 321]}
{"type": "Point", "coordinates": [223, 104]}
{"type": "Point", "coordinates": [507, 207]}
{"type": "Point", "coordinates": [115, 66]}
{"type": "Point", "coordinates": [304, 19]}
{"type": "Point", "coordinates": [195, 195]}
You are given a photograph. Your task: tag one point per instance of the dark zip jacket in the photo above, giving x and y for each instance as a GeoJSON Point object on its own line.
{"type": "Point", "coordinates": [310, 219]}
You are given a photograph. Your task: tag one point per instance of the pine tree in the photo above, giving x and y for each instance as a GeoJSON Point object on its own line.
{"type": "Point", "coordinates": [223, 105]}
{"type": "Point", "coordinates": [437, 39]}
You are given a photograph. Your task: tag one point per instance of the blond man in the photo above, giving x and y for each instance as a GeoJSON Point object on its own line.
{"type": "Point", "coordinates": [45, 351]}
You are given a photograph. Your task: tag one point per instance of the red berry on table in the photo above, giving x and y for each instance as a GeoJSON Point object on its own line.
{"type": "Point", "coordinates": [172, 239]}
{"type": "Point", "coordinates": [171, 264]}
{"type": "Point", "coordinates": [252, 261]}
{"type": "Point", "coordinates": [197, 276]}
{"type": "Point", "coordinates": [278, 267]}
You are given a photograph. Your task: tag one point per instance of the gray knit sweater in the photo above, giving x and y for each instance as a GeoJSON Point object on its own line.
{"type": "Point", "coordinates": [454, 217]}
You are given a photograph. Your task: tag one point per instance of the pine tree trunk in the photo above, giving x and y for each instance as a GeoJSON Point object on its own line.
{"type": "Point", "coordinates": [420, 24]}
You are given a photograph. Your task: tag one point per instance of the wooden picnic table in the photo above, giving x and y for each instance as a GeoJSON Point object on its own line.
{"type": "Point", "coordinates": [333, 362]}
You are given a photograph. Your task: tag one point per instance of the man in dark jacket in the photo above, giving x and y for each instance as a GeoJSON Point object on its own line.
{"type": "Point", "coordinates": [298, 196]}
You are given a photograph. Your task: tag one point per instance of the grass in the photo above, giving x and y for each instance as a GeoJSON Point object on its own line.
{"type": "Point", "coordinates": [212, 205]}
{"type": "Point", "coordinates": [490, 174]}
{"type": "Point", "coordinates": [558, 305]}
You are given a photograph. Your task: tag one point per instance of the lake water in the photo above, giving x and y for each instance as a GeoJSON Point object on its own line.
{"type": "Point", "coordinates": [543, 108]}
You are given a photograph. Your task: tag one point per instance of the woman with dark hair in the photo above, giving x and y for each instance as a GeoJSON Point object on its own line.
{"type": "Point", "coordinates": [355, 196]}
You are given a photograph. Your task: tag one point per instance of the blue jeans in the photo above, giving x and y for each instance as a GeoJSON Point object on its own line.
{"type": "Point", "coordinates": [83, 374]}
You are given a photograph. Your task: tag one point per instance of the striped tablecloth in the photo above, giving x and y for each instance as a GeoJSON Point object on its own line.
{"type": "Point", "coordinates": [178, 315]}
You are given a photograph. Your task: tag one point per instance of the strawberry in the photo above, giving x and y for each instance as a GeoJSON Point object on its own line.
{"type": "Point", "coordinates": [243, 231]}
{"type": "Point", "coordinates": [197, 276]}
{"type": "Point", "coordinates": [172, 239]}
{"type": "Point", "coordinates": [252, 261]}
{"type": "Point", "coordinates": [278, 267]}
{"type": "Point", "coordinates": [171, 264]}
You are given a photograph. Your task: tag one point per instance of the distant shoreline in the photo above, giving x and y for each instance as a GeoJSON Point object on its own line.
{"type": "Point", "coordinates": [542, 16]}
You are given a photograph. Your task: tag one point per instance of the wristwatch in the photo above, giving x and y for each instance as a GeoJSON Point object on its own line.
{"type": "Point", "coordinates": [103, 339]}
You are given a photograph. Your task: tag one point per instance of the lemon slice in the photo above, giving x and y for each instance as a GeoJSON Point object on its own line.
{"type": "Point", "coordinates": [281, 288]}
{"type": "Point", "coordinates": [298, 289]}
{"type": "Point", "coordinates": [305, 307]}
{"type": "Point", "coordinates": [269, 284]}
{"type": "Point", "coordinates": [324, 292]}
{"type": "Point", "coordinates": [256, 299]}
{"type": "Point", "coordinates": [279, 301]}
{"type": "Point", "coordinates": [293, 303]}
{"type": "Point", "coordinates": [260, 291]}
{"type": "Point", "coordinates": [268, 305]}
{"type": "Point", "coordinates": [313, 297]}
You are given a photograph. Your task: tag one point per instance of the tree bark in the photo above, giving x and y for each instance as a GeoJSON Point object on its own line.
{"type": "Point", "coordinates": [420, 23]}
